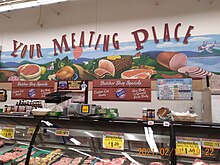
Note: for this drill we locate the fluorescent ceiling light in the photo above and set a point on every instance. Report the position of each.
(22, 5)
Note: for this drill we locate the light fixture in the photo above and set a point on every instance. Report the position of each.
(130, 158)
(76, 142)
(22, 5)
(90, 134)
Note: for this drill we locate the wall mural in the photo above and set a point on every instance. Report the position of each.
(196, 59)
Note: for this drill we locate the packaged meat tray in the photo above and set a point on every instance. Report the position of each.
(10, 154)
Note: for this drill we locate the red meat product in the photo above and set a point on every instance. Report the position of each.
(77, 160)
(199, 162)
(2, 143)
(110, 163)
(63, 161)
(99, 163)
(156, 163)
(87, 161)
(118, 160)
(172, 60)
(73, 163)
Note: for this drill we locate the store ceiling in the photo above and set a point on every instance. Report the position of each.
(6, 2)
(8, 5)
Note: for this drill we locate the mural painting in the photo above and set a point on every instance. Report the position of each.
(198, 58)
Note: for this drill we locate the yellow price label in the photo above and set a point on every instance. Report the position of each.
(211, 143)
(113, 141)
(62, 132)
(30, 130)
(85, 109)
(188, 148)
(8, 132)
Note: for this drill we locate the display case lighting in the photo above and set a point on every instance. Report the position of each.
(76, 142)
(22, 5)
(3, 137)
(90, 134)
(130, 158)
(47, 123)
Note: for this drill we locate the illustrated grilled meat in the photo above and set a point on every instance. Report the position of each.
(107, 66)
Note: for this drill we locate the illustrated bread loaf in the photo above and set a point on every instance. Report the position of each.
(172, 60)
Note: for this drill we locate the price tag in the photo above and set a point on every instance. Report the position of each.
(62, 132)
(8, 132)
(30, 130)
(166, 123)
(211, 143)
(190, 147)
(114, 141)
(150, 122)
(85, 109)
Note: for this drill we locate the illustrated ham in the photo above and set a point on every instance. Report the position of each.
(101, 73)
(138, 74)
(194, 71)
(29, 72)
(111, 67)
(190, 69)
(172, 60)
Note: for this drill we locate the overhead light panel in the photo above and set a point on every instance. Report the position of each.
(22, 5)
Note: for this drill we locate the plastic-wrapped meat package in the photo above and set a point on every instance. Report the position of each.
(63, 161)
(199, 162)
(2, 143)
(76, 161)
(156, 163)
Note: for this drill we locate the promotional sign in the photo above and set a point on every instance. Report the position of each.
(122, 90)
(31, 89)
(30, 130)
(190, 147)
(166, 56)
(3, 95)
(211, 143)
(72, 85)
(8, 132)
(113, 140)
(175, 89)
(62, 132)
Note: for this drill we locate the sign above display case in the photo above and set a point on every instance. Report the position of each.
(31, 89)
(122, 90)
(175, 89)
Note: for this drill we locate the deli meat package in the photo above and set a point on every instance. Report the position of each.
(199, 162)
